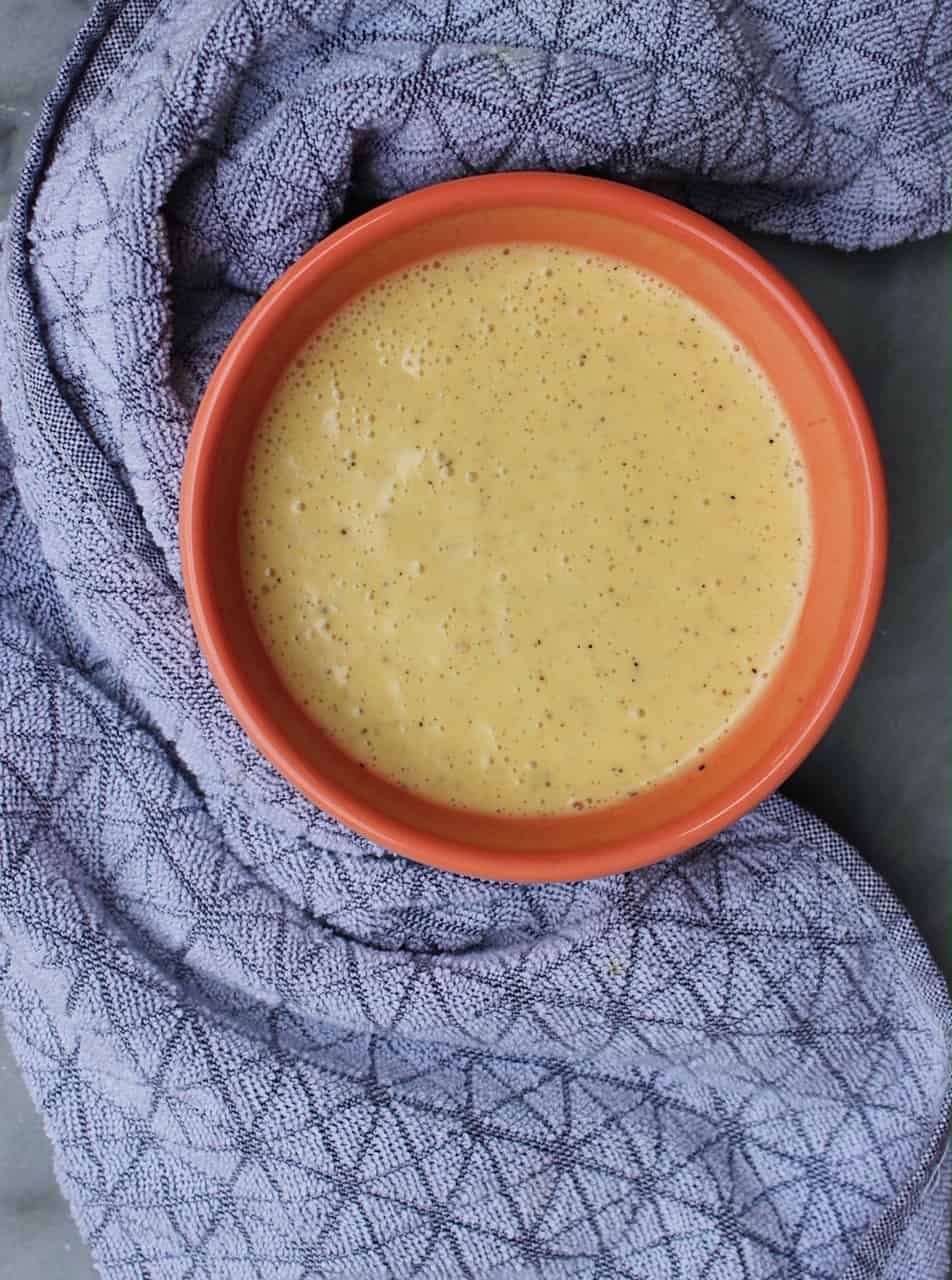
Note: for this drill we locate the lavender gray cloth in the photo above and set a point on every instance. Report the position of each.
(263, 1047)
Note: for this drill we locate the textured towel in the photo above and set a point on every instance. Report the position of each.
(263, 1047)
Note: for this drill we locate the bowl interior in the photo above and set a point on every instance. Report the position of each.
(842, 474)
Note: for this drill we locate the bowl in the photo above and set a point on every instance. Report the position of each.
(843, 472)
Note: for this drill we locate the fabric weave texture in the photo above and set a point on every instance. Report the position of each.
(263, 1047)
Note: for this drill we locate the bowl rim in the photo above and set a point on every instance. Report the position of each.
(598, 196)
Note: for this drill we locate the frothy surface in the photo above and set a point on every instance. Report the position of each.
(525, 529)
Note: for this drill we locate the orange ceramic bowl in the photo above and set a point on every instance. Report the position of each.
(845, 485)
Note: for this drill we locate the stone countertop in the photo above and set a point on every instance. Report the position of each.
(882, 774)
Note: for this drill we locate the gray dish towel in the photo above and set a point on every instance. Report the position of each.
(263, 1047)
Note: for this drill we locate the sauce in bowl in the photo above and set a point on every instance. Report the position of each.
(524, 528)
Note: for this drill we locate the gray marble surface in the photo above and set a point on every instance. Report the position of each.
(882, 774)
(38, 1239)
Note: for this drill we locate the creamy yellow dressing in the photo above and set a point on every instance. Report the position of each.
(525, 529)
